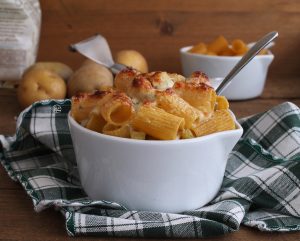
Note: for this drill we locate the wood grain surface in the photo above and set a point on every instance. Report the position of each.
(157, 28)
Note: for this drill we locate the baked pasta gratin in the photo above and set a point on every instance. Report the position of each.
(155, 106)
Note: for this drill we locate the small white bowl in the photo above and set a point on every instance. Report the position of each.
(164, 176)
(247, 84)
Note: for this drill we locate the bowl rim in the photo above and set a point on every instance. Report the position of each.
(184, 50)
(237, 131)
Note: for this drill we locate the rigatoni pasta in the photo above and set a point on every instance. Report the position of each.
(95, 122)
(220, 46)
(199, 95)
(220, 121)
(217, 46)
(172, 103)
(82, 104)
(222, 103)
(117, 108)
(139, 135)
(154, 106)
(113, 130)
(157, 123)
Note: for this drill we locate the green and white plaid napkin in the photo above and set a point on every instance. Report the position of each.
(261, 186)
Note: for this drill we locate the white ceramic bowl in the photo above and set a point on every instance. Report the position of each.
(164, 176)
(247, 84)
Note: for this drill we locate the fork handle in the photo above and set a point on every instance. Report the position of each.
(116, 68)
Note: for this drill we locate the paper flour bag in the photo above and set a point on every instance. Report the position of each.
(20, 22)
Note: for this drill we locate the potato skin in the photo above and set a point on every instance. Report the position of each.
(132, 58)
(88, 78)
(89, 62)
(61, 69)
(40, 84)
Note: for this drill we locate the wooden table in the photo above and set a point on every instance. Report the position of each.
(166, 25)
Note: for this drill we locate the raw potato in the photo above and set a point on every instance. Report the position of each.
(132, 58)
(63, 70)
(88, 78)
(89, 62)
(40, 84)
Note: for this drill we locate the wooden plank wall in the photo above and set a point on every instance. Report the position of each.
(158, 28)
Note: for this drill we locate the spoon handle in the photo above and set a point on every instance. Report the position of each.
(253, 51)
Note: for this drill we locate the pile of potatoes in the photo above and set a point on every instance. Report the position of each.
(55, 80)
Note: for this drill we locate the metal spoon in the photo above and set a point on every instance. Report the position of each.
(253, 51)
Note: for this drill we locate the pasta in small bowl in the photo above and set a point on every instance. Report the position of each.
(217, 59)
(152, 140)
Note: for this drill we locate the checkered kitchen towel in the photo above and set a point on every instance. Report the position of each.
(261, 186)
